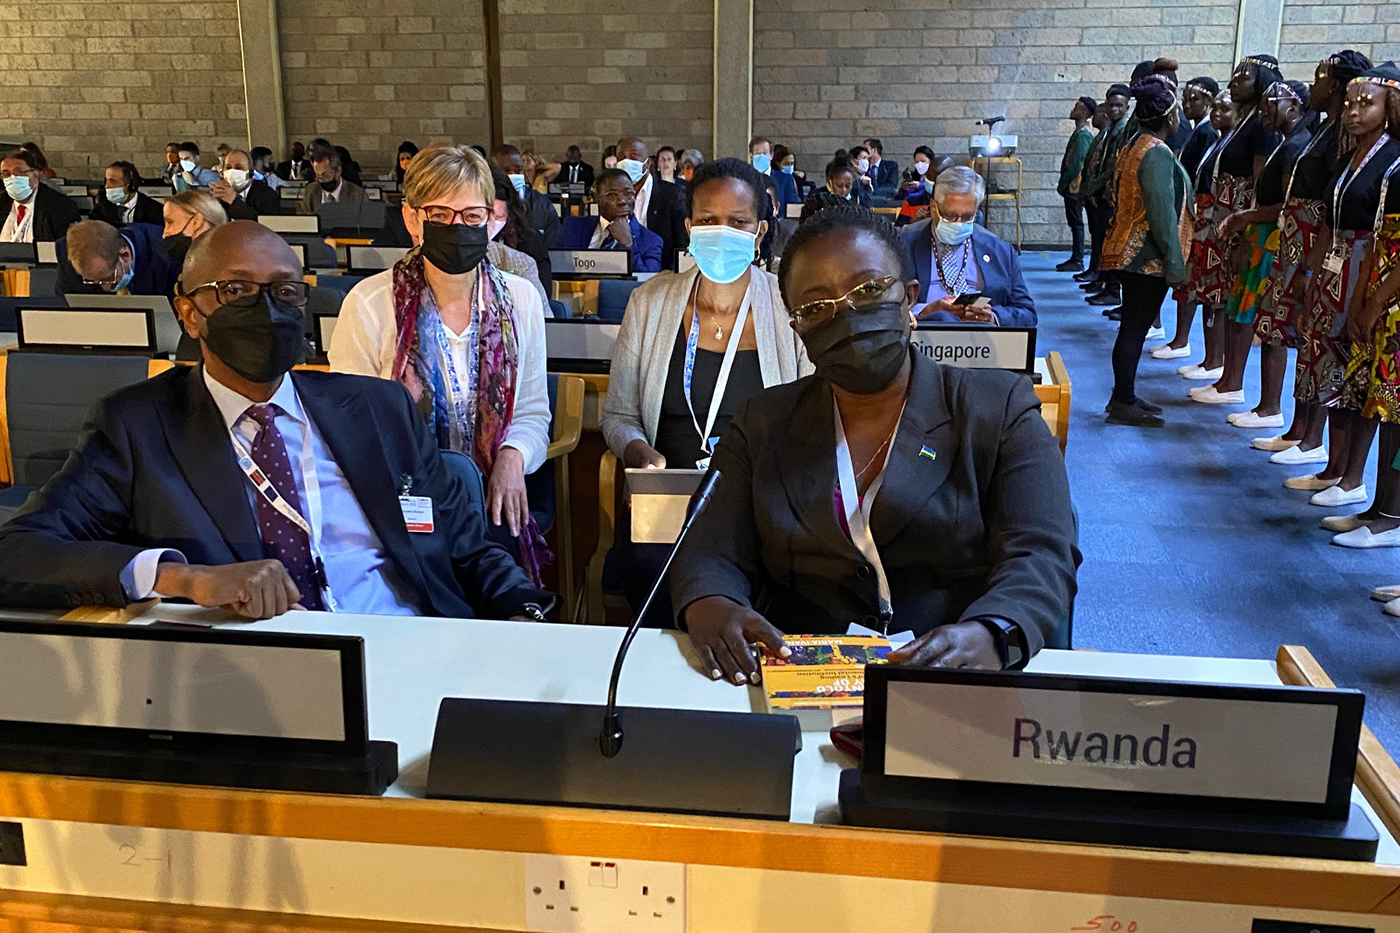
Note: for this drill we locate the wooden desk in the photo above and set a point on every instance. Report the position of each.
(111, 855)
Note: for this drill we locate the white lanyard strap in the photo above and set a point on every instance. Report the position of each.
(1225, 144)
(858, 512)
(1343, 185)
(1317, 137)
(23, 225)
(722, 380)
(1385, 192)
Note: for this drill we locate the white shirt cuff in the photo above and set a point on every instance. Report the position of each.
(138, 578)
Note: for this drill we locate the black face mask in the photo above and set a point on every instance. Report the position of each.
(454, 248)
(257, 337)
(329, 186)
(861, 350)
(177, 245)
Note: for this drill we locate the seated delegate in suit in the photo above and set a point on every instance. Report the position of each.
(465, 338)
(188, 172)
(243, 196)
(330, 186)
(32, 210)
(96, 258)
(883, 173)
(666, 404)
(296, 168)
(661, 205)
(120, 203)
(954, 256)
(154, 501)
(543, 217)
(887, 489)
(761, 158)
(188, 216)
(616, 227)
(573, 170)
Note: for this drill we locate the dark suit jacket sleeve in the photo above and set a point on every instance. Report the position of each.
(1018, 309)
(59, 549)
(59, 213)
(680, 211)
(240, 209)
(490, 578)
(720, 556)
(1031, 537)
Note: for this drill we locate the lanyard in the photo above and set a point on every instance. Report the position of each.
(463, 397)
(312, 528)
(1215, 169)
(1385, 191)
(22, 226)
(722, 381)
(1343, 185)
(1317, 137)
(858, 512)
(1254, 195)
(966, 247)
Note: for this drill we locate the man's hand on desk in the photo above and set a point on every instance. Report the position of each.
(257, 589)
(722, 631)
(640, 455)
(963, 644)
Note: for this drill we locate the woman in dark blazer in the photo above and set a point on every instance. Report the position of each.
(952, 487)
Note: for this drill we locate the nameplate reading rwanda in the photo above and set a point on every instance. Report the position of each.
(590, 261)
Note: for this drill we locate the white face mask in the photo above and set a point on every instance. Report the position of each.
(236, 177)
(921, 168)
(187, 166)
(494, 227)
(863, 165)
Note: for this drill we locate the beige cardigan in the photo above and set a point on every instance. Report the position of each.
(642, 355)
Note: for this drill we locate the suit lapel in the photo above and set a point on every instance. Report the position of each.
(200, 443)
(990, 265)
(911, 475)
(809, 473)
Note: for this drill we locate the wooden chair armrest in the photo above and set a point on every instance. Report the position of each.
(608, 468)
(568, 417)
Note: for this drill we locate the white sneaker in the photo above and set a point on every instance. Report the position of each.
(1292, 456)
(1156, 333)
(1385, 594)
(1310, 482)
(1278, 442)
(1392, 608)
(1363, 537)
(1168, 352)
(1336, 495)
(1210, 395)
(1248, 419)
(1196, 372)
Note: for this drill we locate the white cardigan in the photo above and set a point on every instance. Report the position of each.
(642, 355)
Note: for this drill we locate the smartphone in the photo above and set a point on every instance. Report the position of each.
(971, 298)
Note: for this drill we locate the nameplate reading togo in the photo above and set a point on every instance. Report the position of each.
(587, 262)
(978, 347)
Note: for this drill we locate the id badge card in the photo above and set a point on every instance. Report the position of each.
(1333, 262)
(417, 514)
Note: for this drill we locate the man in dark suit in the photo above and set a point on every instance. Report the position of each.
(543, 217)
(30, 210)
(761, 158)
(243, 196)
(615, 227)
(297, 167)
(575, 171)
(884, 173)
(120, 203)
(661, 205)
(194, 484)
(96, 258)
(954, 256)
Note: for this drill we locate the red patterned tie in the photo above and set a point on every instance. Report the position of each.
(282, 538)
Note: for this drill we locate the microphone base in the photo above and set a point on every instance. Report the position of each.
(673, 761)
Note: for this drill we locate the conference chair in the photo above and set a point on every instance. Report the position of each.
(43, 282)
(9, 310)
(46, 399)
(603, 578)
(341, 283)
(319, 253)
(561, 311)
(470, 474)
(548, 487)
(613, 295)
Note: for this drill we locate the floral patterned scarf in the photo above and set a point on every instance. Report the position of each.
(416, 366)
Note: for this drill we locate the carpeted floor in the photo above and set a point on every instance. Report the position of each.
(1191, 544)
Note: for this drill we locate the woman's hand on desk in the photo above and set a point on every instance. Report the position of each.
(257, 589)
(639, 455)
(722, 632)
(505, 493)
(963, 644)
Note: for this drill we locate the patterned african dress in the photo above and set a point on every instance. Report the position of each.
(1383, 396)
(1253, 283)
(1297, 233)
(1322, 367)
(1217, 273)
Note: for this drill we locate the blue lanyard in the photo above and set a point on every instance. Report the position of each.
(463, 397)
(722, 381)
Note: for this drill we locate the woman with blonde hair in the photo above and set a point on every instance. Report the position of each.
(188, 216)
(464, 337)
(538, 172)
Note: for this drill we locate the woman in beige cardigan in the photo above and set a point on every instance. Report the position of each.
(720, 324)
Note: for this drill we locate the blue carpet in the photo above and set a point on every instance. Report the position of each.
(1191, 544)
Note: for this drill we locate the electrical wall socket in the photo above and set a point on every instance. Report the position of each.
(579, 894)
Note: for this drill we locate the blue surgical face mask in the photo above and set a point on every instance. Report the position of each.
(116, 195)
(187, 166)
(788, 169)
(762, 161)
(19, 187)
(953, 234)
(635, 170)
(721, 252)
(519, 182)
(124, 281)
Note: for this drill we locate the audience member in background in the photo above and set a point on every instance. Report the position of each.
(331, 185)
(786, 162)
(840, 180)
(538, 172)
(690, 160)
(851, 516)
(515, 247)
(221, 150)
(610, 157)
(188, 216)
(349, 168)
(192, 174)
(666, 403)
(770, 248)
(1147, 244)
(41, 161)
(407, 150)
(1301, 223)
(172, 162)
(243, 196)
(1089, 277)
(121, 203)
(465, 338)
(297, 168)
(573, 170)
(616, 226)
(153, 499)
(916, 188)
(661, 206)
(954, 257)
(1097, 186)
(1242, 156)
(1285, 111)
(666, 164)
(883, 173)
(761, 158)
(858, 157)
(543, 217)
(33, 211)
(262, 167)
(96, 258)
(1071, 164)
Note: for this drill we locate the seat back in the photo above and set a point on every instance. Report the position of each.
(319, 253)
(47, 398)
(341, 283)
(561, 311)
(539, 485)
(43, 282)
(613, 295)
(469, 473)
(9, 308)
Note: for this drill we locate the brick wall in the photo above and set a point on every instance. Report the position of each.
(91, 82)
(1313, 29)
(586, 72)
(922, 71)
(368, 75)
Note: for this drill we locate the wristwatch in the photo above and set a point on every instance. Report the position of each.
(531, 610)
(1010, 642)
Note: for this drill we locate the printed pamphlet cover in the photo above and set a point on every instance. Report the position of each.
(823, 671)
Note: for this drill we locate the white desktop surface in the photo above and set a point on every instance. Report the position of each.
(413, 663)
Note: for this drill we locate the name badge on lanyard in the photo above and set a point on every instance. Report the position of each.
(417, 514)
(707, 440)
(858, 514)
(1333, 262)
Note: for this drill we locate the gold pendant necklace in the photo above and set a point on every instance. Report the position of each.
(719, 331)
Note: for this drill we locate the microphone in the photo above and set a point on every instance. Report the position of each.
(610, 739)
(990, 121)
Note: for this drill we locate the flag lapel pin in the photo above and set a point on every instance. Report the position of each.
(928, 452)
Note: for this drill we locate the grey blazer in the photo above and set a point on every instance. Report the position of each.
(311, 197)
(642, 355)
(982, 528)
